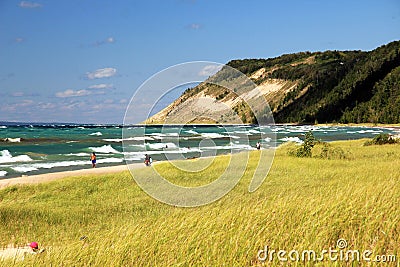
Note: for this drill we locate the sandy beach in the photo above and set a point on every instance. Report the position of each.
(35, 179)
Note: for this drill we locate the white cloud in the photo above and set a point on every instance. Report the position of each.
(108, 101)
(101, 86)
(17, 94)
(72, 93)
(27, 4)
(210, 70)
(25, 103)
(20, 94)
(194, 26)
(19, 40)
(101, 73)
(46, 105)
(108, 40)
(18, 107)
(74, 106)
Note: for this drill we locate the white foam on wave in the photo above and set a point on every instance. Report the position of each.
(96, 134)
(141, 145)
(231, 146)
(240, 146)
(291, 139)
(243, 132)
(160, 136)
(370, 131)
(82, 154)
(12, 140)
(230, 134)
(191, 132)
(140, 154)
(48, 165)
(213, 135)
(107, 149)
(297, 130)
(24, 168)
(139, 138)
(254, 131)
(161, 145)
(3, 127)
(135, 158)
(278, 129)
(3, 173)
(117, 140)
(325, 129)
(189, 150)
(6, 157)
(110, 160)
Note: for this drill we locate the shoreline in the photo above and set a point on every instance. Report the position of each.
(47, 177)
(52, 176)
(44, 177)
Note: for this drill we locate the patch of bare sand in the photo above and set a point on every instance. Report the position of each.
(17, 253)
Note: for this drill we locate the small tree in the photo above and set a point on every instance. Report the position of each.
(305, 150)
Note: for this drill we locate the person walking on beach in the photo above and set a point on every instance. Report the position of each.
(147, 160)
(93, 159)
(258, 145)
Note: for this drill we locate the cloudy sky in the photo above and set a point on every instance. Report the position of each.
(81, 61)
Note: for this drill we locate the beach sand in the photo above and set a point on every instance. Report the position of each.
(40, 178)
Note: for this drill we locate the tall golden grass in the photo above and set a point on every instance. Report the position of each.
(304, 204)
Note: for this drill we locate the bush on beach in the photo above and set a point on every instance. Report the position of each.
(317, 149)
(304, 151)
(382, 139)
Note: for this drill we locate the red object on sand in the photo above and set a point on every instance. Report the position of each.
(34, 245)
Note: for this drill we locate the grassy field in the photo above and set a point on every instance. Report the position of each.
(304, 204)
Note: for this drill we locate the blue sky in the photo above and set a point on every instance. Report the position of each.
(81, 61)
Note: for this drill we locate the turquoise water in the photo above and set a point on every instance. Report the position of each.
(35, 149)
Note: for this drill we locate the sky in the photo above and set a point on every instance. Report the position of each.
(82, 61)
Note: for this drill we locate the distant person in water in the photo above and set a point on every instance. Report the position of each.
(93, 159)
(258, 145)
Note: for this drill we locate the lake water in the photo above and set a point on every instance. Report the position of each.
(34, 149)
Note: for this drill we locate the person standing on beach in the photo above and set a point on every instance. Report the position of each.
(258, 145)
(147, 160)
(93, 159)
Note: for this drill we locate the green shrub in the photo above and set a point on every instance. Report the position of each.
(317, 148)
(382, 139)
(330, 152)
(304, 151)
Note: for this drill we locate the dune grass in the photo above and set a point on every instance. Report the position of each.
(304, 204)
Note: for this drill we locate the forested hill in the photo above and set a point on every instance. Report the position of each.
(331, 86)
